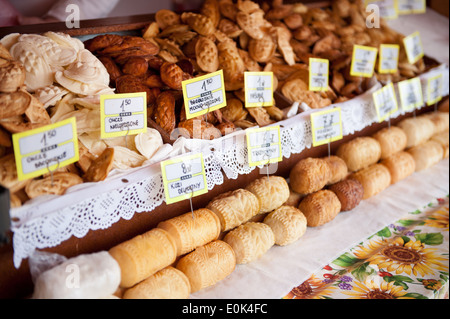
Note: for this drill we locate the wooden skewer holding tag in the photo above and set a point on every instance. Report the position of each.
(267, 166)
(191, 190)
(386, 99)
(389, 120)
(436, 90)
(128, 132)
(51, 171)
(330, 136)
(206, 115)
(329, 144)
(261, 99)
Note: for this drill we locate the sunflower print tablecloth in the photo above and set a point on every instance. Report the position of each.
(405, 260)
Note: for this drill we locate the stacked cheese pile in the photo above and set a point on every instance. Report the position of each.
(49, 78)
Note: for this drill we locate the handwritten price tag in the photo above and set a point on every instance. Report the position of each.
(411, 6)
(363, 61)
(258, 89)
(204, 94)
(388, 62)
(123, 114)
(326, 126)
(434, 89)
(413, 47)
(318, 74)
(184, 178)
(411, 95)
(45, 149)
(385, 102)
(264, 146)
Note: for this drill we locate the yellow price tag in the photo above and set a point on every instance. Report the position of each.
(264, 145)
(318, 74)
(204, 94)
(385, 102)
(434, 89)
(363, 61)
(412, 6)
(326, 126)
(411, 94)
(46, 149)
(184, 178)
(123, 114)
(413, 47)
(258, 89)
(388, 61)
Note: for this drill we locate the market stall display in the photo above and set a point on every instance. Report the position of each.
(54, 77)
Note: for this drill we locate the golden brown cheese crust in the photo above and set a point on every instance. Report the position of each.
(310, 175)
(144, 255)
(374, 179)
(169, 283)
(288, 224)
(192, 230)
(426, 154)
(392, 140)
(350, 193)
(320, 207)
(417, 129)
(235, 208)
(250, 241)
(208, 264)
(338, 167)
(272, 192)
(360, 153)
(400, 166)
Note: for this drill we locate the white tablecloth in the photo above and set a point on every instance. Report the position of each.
(282, 268)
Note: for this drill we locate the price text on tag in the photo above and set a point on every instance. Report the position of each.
(385, 102)
(413, 47)
(434, 89)
(326, 126)
(411, 94)
(184, 178)
(318, 74)
(258, 89)
(264, 146)
(45, 149)
(204, 94)
(388, 62)
(123, 114)
(412, 6)
(388, 8)
(363, 61)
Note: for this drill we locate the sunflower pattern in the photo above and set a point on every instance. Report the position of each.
(405, 260)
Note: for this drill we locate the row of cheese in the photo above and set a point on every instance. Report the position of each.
(196, 250)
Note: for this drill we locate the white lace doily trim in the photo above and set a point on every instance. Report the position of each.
(51, 220)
